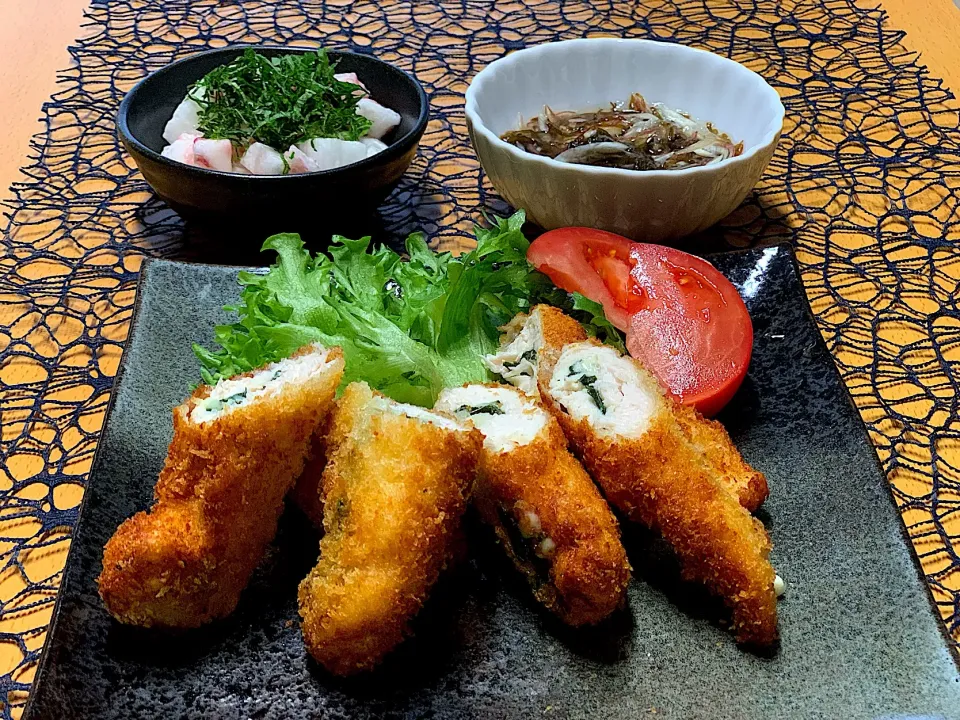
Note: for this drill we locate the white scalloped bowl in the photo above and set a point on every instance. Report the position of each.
(653, 205)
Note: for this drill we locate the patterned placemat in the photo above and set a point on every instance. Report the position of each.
(863, 183)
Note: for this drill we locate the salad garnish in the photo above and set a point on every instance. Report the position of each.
(409, 326)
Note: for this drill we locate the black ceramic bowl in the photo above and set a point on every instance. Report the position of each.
(273, 203)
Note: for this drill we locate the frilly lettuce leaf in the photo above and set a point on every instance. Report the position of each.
(408, 326)
(590, 314)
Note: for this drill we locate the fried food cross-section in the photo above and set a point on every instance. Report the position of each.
(237, 449)
(546, 511)
(397, 481)
(529, 350)
(625, 428)
(530, 346)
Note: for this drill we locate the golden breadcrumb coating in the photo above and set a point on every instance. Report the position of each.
(666, 482)
(556, 330)
(394, 492)
(307, 492)
(711, 439)
(216, 505)
(708, 436)
(538, 493)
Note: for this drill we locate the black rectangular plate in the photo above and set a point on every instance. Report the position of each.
(859, 635)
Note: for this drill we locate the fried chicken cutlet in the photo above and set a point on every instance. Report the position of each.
(306, 493)
(237, 449)
(547, 513)
(530, 347)
(628, 432)
(396, 484)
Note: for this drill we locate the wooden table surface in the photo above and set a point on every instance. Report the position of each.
(34, 35)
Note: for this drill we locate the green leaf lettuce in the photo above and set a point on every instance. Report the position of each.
(408, 326)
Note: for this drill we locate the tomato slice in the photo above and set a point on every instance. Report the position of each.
(615, 274)
(591, 262)
(694, 332)
(684, 320)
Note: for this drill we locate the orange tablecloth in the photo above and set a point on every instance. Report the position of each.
(33, 38)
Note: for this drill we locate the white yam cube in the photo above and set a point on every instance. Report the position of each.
(181, 149)
(261, 159)
(299, 162)
(213, 154)
(373, 145)
(382, 119)
(329, 153)
(184, 120)
(352, 78)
